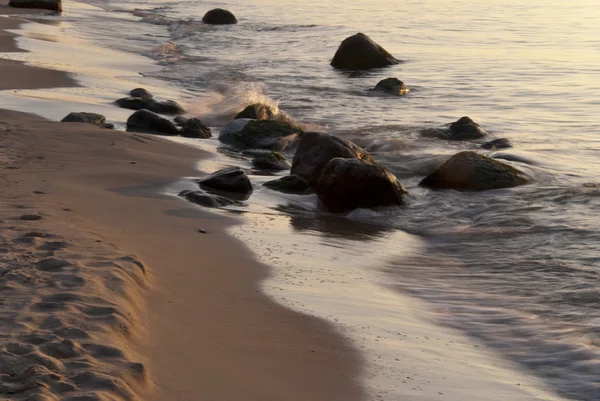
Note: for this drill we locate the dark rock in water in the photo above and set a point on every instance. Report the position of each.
(232, 179)
(31, 217)
(245, 133)
(180, 120)
(347, 184)
(315, 150)
(501, 143)
(194, 128)
(138, 103)
(54, 5)
(271, 161)
(465, 128)
(149, 122)
(141, 92)
(205, 199)
(359, 52)
(470, 171)
(87, 118)
(291, 184)
(218, 16)
(392, 86)
(258, 111)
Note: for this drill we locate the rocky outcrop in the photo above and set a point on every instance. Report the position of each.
(359, 52)
(501, 143)
(205, 199)
(54, 5)
(87, 118)
(141, 92)
(194, 128)
(168, 107)
(258, 111)
(149, 122)
(315, 150)
(347, 184)
(218, 16)
(290, 184)
(270, 161)
(392, 86)
(470, 171)
(232, 179)
(246, 133)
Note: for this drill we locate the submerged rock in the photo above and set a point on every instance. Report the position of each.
(470, 171)
(232, 179)
(180, 120)
(347, 184)
(392, 86)
(291, 184)
(149, 122)
(218, 16)
(501, 143)
(246, 133)
(194, 128)
(271, 161)
(359, 52)
(258, 111)
(315, 150)
(206, 199)
(87, 118)
(141, 92)
(465, 128)
(54, 5)
(138, 103)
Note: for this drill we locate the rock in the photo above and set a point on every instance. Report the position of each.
(232, 179)
(315, 150)
(271, 161)
(470, 171)
(138, 103)
(180, 120)
(149, 122)
(258, 111)
(218, 16)
(291, 184)
(87, 118)
(246, 133)
(194, 128)
(501, 143)
(392, 86)
(141, 92)
(347, 184)
(54, 5)
(359, 52)
(465, 128)
(205, 199)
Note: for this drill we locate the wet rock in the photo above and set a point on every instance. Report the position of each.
(54, 5)
(31, 217)
(194, 128)
(87, 118)
(392, 86)
(359, 52)
(315, 150)
(501, 143)
(149, 122)
(206, 199)
(465, 128)
(218, 16)
(470, 171)
(291, 184)
(180, 120)
(232, 179)
(347, 184)
(141, 92)
(258, 111)
(138, 103)
(271, 161)
(246, 133)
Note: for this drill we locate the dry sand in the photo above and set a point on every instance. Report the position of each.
(105, 280)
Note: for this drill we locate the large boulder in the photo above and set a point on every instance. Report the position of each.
(218, 16)
(54, 5)
(315, 150)
(87, 118)
(246, 133)
(258, 111)
(141, 92)
(232, 179)
(149, 122)
(392, 86)
(194, 128)
(359, 52)
(470, 171)
(290, 184)
(168, 107)
(347, 184)
(205, 199)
